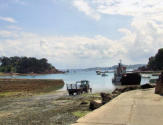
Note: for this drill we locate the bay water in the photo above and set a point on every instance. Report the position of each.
(98, 83)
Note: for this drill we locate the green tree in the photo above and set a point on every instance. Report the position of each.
(25, 65)
(156, 62)
(159, 59)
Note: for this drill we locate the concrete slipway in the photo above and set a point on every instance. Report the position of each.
(138, 107)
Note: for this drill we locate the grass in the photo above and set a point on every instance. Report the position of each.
(15, 87)
(80, 114)
(8, 94)
(4, 74)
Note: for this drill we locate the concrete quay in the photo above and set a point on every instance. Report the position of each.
(137, 107)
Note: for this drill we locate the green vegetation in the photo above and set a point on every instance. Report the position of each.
(9, 94)
(26, 65)
(80, 114)
(156, 62)
(14, 87)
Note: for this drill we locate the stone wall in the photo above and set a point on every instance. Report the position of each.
(159, 85)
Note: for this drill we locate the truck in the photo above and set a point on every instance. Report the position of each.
(79, 87)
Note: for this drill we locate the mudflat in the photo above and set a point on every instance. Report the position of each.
(54, 108)
(29, 103)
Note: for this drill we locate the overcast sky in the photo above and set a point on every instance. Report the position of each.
(82, 33)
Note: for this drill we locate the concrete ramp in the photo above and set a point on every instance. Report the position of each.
(138, 107)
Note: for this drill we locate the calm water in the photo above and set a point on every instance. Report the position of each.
(97, 82)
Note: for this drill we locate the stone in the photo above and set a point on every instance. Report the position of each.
(105, 97)
(125, 89)
(146, 86)
(116, 91)
(159, 85)
(94, 105)
(83, 103)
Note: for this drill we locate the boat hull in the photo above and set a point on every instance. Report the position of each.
(128, 79)
(131, 79)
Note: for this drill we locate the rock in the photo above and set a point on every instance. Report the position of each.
(153, 85)
(127, 89)
(121, 90)
(98, 101)
(159, 85)
(106, 98)
(114, 95)
(94, 105)
(83, 103)
(146, 86)
(116, 92)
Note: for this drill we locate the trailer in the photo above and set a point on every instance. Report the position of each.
(79, 87)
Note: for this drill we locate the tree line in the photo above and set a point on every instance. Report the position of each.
(25, 65)
(156, 62)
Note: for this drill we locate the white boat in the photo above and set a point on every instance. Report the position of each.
(145, 76)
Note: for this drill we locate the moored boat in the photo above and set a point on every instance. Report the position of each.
(120, 70)
(121, 77)
(104, 74)
(145, 76)
(98, 72)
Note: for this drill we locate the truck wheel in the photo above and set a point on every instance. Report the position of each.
(70, 93)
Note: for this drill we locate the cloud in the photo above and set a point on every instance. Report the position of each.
(145, 35)
(22, 2)
(136, 46)
(60, 50)
(6, 34)
(136, 8)
(7, 3)
(143, 40)
(83, 6)
(8, 19)
(125, 7)
(14, 27)
(138, 43)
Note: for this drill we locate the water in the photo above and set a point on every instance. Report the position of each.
(97, 82)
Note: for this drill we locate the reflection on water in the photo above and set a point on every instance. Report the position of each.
(97, 82)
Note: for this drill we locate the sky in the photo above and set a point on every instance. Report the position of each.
(82, 33)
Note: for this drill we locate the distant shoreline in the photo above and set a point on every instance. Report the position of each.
(148, 72)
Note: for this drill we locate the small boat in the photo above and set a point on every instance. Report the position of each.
(104, 74)
(98, 72)
(145, 76)
(155, 74)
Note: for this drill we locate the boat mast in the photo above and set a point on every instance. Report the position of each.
(120, 61)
